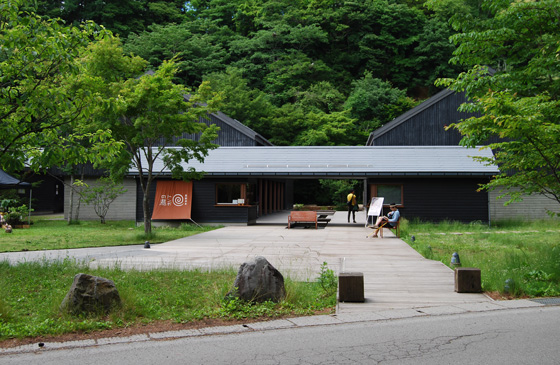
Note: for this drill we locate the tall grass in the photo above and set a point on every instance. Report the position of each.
(526, 255)
(32, 292)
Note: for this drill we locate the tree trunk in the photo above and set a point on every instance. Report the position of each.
(77, 216)
(147, 218)
(71, 207)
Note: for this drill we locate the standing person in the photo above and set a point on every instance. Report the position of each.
(351, 203)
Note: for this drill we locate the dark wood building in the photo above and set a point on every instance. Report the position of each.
(424, 125)
(426, 182)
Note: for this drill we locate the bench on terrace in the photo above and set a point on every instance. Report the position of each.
(309, 217)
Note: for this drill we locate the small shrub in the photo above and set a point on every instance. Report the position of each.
(327, 280)
(17, 215)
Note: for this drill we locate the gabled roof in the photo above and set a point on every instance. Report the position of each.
(342, 161)
(242, 128)
(409, 114)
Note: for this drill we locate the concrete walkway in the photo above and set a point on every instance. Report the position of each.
(395, 275)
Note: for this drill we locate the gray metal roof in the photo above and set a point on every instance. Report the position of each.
(342, 161)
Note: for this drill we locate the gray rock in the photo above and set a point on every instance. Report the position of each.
(258, 281)
(91, 294)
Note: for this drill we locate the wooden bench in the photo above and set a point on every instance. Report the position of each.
(388, 226)
(302, 217)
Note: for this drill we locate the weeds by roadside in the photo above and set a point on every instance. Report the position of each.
(516, 259)
(31, 293)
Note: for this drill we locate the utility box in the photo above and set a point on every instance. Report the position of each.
(351, 287)
(467, 280)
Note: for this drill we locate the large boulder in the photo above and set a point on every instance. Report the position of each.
(91, 294)
(258, 281)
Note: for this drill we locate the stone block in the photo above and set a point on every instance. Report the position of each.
(467, 280)
(351, 287)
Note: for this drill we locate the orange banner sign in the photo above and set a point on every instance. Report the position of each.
(173, 200)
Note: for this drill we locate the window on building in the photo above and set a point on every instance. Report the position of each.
(235, 193)
(393, 193)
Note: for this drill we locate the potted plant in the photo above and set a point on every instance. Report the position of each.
(16, 216)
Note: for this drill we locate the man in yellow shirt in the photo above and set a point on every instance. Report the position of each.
(351, 203)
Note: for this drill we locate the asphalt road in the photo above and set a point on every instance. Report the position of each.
(511, 336)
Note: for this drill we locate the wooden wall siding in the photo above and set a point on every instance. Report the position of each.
(48, 196)
(442, 198)
(427, 128)
(227, 136)
(204, 200)
(271, 194)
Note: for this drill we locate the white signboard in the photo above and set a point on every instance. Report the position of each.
(375, 207)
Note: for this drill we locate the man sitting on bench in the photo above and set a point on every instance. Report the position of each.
(390, 219)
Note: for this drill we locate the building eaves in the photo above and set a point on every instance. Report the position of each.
(342, 161)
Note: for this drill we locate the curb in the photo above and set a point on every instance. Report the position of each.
(288, 323)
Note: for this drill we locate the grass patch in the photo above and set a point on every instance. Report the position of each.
(58, 234)
(525, 253)
(31, 293)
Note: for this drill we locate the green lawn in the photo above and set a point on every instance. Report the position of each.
(526, 253)
(45, 234)
(31, 292)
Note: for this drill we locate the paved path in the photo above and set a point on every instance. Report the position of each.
(395, 275)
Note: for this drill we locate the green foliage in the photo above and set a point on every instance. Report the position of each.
(17, 215)
(196, 54)
(43, 100)
(327, 280)
(57, 234)
(337, 190)
(6, 204)
(119, 16)
(31, 294)
(250, 106)
(519, 99)
(295, 61)
(148, 114)
(102, 195)
(374, 103)
(526, 254)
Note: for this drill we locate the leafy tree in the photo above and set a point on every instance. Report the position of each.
(119, 16)
(337, 190)
(45, 103)
(326, 129)
(250, 106)
(102, 195)
(322, 96)
(520, 100)
(196, 54)
(148, 115)
(374, 102)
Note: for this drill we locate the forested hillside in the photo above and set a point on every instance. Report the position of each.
(300, 72)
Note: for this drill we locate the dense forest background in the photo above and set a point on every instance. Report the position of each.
(299, 72)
